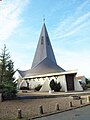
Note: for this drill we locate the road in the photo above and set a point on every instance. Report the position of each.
(77, 114)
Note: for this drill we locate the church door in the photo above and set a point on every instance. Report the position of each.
(70, 82)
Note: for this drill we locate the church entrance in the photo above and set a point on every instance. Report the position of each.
(70, 82)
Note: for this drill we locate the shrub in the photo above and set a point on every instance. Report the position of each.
(38, 87)
(1, 88)
(55, 86)
(8, 90)
(52, 85)
(84, 86)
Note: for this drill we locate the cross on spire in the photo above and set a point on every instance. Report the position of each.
(44, 19)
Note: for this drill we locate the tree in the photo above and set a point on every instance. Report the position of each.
(55, 86)
(6, 67)
(52, 84)
(4, 57)
(7, 86)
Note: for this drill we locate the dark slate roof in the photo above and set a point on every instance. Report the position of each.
(23, 73)
(45, 67)
(44, 48)
(44, 60)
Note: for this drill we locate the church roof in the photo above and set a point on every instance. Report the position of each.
(44, 60)
(44, 48)
(45, 67)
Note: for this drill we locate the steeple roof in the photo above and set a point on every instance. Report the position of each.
(44, 48)
(44, 61)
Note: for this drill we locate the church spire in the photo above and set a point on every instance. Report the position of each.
(44, 49)
(44, 61)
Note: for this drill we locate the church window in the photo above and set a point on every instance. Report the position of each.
(47, 40)
(42, 40)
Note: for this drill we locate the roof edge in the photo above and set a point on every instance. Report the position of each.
(53, 74)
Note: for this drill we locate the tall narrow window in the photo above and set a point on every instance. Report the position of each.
(42, 40)
(47, 40)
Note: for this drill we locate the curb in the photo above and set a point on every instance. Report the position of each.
(48, 114)
(49, 96)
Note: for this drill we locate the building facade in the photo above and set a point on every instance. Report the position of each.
(44, 68)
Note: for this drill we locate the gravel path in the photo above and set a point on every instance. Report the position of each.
(30, 107)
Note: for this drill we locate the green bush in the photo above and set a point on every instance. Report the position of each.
(55, 86)
(1, 88)
(52, 85)
(87, 81)
(38, 87)
(8, 90)
(84, 86)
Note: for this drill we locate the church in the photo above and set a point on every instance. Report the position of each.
(45, 68)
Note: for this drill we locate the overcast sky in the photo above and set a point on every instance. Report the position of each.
(68, 25)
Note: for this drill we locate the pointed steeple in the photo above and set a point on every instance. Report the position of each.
(44, 49)
(44, 60)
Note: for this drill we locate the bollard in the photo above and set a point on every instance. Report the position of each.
(70, 104)
(41, 109)
(81, 102)
(19, 114)
(1, 97)
(88, 98)
(57, 106)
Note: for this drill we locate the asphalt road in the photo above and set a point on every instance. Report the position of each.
(77, 114)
